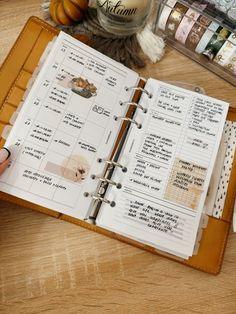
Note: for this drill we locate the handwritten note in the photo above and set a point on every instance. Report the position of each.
(169, 161)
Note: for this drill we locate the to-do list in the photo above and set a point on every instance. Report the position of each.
(169, 161)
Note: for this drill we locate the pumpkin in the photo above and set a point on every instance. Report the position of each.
(67, 12)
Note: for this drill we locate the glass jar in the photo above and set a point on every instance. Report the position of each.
(123, 17)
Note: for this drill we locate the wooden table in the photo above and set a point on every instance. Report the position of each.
(51, 266)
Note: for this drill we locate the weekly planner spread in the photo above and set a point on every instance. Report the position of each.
(71, 118)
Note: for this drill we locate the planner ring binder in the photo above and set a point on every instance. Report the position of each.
(137, 88)
(113, 164)
(106, 180)
(139, 125)
(97, 197)
(127, 103)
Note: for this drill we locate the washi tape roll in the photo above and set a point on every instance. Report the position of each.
(188, 21)
(199, 28)
(231, 66)
(216, 42)
(227, 50)
(207, 37)
(165, 13)
(175, 18)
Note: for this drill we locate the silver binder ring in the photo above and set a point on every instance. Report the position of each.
(143, 90)
(113, 164)
(97, 197)
(128, 103)
(108, 181)
(139, 125)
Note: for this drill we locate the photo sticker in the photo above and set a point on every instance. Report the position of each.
(83, 87)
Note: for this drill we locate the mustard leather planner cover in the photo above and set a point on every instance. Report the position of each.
(15, 74)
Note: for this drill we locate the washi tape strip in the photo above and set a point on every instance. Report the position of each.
(216, 42)
(188, 21)
(166, 11)
(207, 37)
(197, 32)
(175, 18)
(227, 50)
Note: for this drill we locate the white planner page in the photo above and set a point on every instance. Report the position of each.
(169, 161)
(65, 124)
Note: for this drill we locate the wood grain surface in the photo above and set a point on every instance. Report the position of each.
(51, 266)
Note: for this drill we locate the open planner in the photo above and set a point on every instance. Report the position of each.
(141, 160)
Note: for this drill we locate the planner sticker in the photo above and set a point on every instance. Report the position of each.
(185, 184)
(74, 168)
(83, 87)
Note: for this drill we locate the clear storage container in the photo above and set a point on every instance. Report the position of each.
(202, 30)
